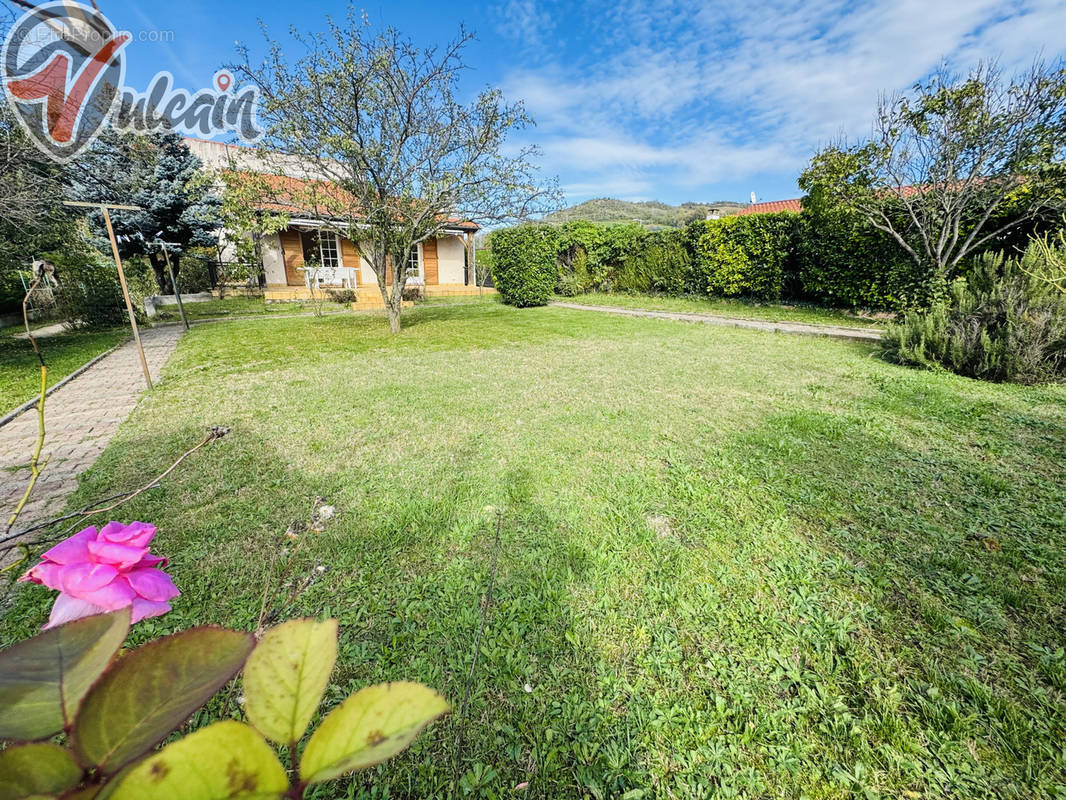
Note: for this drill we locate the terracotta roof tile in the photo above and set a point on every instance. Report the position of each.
(313, 198)
(772, 207)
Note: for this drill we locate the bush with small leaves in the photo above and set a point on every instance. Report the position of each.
(523, 264)
(89, 293)
(1001, 322)
(746, 255)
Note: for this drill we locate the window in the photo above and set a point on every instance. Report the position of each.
(414, 264)
(323, 248)
(329, 249)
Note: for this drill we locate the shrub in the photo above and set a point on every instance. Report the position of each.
(661, 263)
(591, 256)
(1000, 323)
(345, 296)
(842, 261)
(89, 292)
(576, 241)
(524, 264)
(195, 273)
(746, 255)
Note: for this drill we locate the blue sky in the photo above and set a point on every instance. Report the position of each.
(673, 100)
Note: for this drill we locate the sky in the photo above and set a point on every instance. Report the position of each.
(675, 100)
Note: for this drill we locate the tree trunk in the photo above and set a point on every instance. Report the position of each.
(159, 267)
(175, 264)
(393, 301)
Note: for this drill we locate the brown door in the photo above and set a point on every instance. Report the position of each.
(350, 257)
(292, 250)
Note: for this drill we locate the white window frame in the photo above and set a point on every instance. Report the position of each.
(418, 277)
(336, 250)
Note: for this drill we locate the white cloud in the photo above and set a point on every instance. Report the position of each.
(523, 21)
(682, 94)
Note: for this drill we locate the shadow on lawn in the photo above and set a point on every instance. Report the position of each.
(956, 543)
(847, 609)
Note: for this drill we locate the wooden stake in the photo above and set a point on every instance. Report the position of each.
(126, 294)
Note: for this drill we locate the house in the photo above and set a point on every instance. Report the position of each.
(439, 266)
(773, 207)
(444, 265)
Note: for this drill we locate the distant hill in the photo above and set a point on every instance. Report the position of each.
(650, 214)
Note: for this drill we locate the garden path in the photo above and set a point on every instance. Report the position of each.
(800, 328)
(80, 418)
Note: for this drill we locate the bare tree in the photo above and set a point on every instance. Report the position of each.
(955, 163)
(30, 185)
(393, 154)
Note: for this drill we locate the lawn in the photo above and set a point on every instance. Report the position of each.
(731, 563)
(20, 379)
(238, 307)
(740, 309)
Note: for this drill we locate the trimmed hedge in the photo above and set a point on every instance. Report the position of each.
(842, 261)
(660, 263)
(747, 255)
(523, 264)
(823, 254)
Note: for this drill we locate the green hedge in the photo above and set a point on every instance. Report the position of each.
(660, 263)
(824, 255)
(590, 255)
(523, 264)
(746, 255)
(842, 261)
(89, 291)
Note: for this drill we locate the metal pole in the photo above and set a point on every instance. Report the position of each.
(174, 283)
(126, 294)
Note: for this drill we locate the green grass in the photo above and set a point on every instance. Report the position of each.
(731, 563)
(740, 309)
(460, 299)
(238, 307)
(19, 376)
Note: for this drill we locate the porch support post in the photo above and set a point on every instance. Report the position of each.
(471, 272)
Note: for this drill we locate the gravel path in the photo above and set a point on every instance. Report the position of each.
(798, 328)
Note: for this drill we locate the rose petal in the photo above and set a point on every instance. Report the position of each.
(136, 534)
(72, 550)
(152, 584)
(147, 608)
(67, 608)
(47, 574)
(77, 579)
(115, 595)
(122, 556)
(150, 560)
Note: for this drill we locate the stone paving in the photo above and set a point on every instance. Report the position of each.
(800, 328)
(80, 419)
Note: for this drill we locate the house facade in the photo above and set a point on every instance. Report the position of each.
(313, 254)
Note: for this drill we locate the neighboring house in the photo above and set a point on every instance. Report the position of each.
(440, 266)
(772, 207)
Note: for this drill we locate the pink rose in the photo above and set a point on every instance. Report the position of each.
(97, 572)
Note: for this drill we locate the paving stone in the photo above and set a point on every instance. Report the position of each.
(81, 417)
